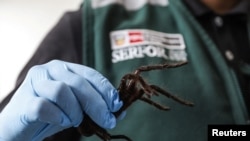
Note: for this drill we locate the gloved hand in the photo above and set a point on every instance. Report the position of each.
(53, 97)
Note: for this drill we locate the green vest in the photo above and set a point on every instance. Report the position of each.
(119, 36)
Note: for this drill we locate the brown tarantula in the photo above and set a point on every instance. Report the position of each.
(132, 88)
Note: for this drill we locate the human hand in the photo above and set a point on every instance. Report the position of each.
(55, 96)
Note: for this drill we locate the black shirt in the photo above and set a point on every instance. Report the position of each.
(230, 33)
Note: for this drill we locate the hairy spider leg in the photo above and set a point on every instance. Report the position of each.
(158, 67)
(87, 127)
(120, 137)
(105, 136)
(93, 128)
(157, 105)
(102, 133)
(167, 94)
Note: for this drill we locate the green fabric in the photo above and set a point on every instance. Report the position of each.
(206, 79)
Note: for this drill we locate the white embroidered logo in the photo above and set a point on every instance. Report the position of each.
(138, 43)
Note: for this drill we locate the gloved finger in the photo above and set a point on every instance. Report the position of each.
(56, 92)
(62, 96)
(101, 84)
(90, 99)
(97, 81)
(44, 111)
(47, 131)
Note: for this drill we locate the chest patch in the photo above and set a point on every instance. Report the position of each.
(139, 43)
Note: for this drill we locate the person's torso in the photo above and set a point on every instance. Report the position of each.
(120, 36)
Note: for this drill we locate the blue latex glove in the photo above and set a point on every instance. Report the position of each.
(53, 97)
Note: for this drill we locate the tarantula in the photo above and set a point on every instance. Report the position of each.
(133, 87)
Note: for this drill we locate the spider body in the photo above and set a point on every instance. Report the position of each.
(133, 87)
